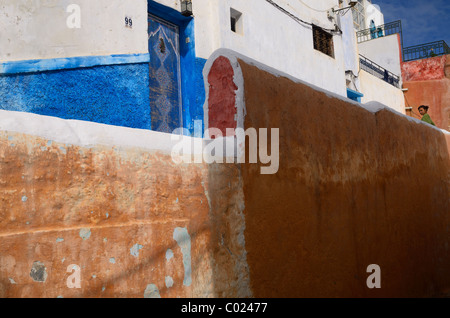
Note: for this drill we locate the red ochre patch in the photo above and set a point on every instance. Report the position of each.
(222, 96)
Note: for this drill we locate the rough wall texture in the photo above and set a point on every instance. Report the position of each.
(222, 96)
(425, 69)
(136, 224)
(428, 83)
(113, 95)
(353, 189)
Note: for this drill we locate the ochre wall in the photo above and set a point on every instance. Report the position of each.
(116, 212)
(428, 83)
(354, 188)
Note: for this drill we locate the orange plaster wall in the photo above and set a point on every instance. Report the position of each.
(353, 189)
(434, 93)
(115, 213)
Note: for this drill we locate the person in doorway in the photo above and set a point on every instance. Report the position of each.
(373, 29)
(423, 110)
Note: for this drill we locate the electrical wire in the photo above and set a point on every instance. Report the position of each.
(312, 8)
(412, 111)
(300, 21)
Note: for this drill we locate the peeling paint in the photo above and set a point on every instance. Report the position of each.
(59, 240)
(38, 272)
(183, 239)
(24, 198)
(12, 281)
(169, 254)
(135, 250)
(112, 260)
(169, 281)
(85, 233)
(151, 292)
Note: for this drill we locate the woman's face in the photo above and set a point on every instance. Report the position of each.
(422, 111)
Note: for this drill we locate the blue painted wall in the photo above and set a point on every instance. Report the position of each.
(110, 90)
(115, 95)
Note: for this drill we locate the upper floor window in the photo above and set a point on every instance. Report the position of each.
(236, 21)
(323, 41)
(359, 16)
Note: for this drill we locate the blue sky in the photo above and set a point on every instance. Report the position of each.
(423, 21)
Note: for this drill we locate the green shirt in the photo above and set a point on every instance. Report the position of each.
(426, 118)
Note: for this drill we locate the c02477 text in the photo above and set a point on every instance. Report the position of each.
(229, 307)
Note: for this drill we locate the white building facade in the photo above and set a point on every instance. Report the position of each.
(138, 63)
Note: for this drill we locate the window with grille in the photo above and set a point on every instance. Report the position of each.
(323, 41)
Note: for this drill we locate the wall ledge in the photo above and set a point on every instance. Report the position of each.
(32, 66)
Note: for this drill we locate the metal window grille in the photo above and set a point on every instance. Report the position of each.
(323, 41)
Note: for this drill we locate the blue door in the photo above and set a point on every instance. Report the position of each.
(165, 75)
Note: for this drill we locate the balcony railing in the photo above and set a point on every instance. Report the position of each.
(424, 51)
(378, 71)
(380, 31)
(411, 53)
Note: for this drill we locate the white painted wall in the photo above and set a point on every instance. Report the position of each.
(384, 51)
(174, 4)
(273, 38)
(350, 43)
(373, 12)
(375, 89)
(37, 29)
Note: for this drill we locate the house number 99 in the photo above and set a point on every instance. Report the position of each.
(128, 22)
